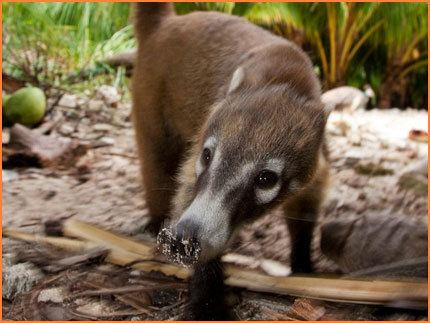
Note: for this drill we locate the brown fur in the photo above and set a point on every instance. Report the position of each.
(185, 89)
(183, 71)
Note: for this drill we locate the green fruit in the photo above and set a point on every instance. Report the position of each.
(4, 99)
(26, 106)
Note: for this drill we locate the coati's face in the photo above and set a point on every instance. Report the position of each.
(257, 149)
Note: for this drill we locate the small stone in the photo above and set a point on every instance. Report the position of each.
(18, 278)
(66, 129)
(5, 136)
(9, 175)
(351, 161)
(354, 139)
(102, 127)
(81, 101)
(108, 94)
(54, 295)
(108, 141)
(68, 101)
(372, 169)
(362, 196)
(95, 105)
(95, 308)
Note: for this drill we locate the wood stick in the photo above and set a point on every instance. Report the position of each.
(117, 255)
(405, 294)
(85, 231)
(63, 243)
(332, 289)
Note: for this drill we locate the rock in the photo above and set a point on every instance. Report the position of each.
(66, 129)
(372, 169)
(95, 308)
(31, 149)
(108, 94)
(419, 167)
(54, 295)
(95, 105)
(414, 178)
(103, 127)
(68, 101)
(338, 127)
(5, 136)
(358, 243)
(351, 161)
(346, 98)
(18, 278)
(9, 175)
(107, 141)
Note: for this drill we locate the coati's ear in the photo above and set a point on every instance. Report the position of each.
(236, 79)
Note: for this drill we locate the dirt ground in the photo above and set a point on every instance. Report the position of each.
(369, 152)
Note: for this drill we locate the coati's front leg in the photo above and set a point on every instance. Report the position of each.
(301, 214)
(160, 152)
(206, 293)
(158, 188)
(301, 222)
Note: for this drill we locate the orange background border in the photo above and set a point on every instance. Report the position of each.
(1, 152)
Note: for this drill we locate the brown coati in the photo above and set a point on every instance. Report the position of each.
(229, 125)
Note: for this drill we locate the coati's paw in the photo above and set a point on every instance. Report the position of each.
(303, 267)
(193, 314)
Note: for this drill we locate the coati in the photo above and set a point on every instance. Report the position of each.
(229, 125)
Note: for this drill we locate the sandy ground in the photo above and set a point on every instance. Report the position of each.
(109, 193)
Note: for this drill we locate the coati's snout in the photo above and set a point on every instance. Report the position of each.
(249, 158)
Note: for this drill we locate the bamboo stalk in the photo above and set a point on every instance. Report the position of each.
(392, 293)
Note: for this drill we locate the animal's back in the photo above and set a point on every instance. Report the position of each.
(189, 61)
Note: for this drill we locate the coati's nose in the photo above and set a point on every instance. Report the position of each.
(180, 244)
(186, 229)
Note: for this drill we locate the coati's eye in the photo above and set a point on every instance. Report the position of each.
(206, 156)
(266, 179)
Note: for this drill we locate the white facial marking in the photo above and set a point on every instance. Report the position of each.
(208, 213)
(264, 196)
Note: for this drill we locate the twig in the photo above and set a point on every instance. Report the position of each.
(120, 155)
(108, 315)
(123, 290)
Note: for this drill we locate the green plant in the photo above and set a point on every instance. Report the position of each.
(59, 44)
(404, 39)
(383, 44)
